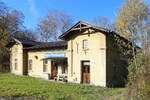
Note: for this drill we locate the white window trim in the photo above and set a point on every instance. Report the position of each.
(85, 43)
(46, 71)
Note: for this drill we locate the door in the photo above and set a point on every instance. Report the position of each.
(54, 69)
(85, 69)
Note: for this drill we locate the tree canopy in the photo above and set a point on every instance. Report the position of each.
(132, 17)
(11, 25)
(53, 24)
(133, 23)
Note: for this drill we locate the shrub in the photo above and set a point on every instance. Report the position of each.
(138, 87)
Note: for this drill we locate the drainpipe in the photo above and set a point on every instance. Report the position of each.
(71, 58)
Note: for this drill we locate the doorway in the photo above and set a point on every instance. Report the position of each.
(85, 72)
(58, 67)
(54, 69)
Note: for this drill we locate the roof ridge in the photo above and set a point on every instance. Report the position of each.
(49, 45)
(84, 22)
(53, 41)
(27, 40)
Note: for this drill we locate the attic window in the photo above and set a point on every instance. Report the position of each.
(85, 44)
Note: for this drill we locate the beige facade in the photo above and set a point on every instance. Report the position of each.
(17, 59)
(37, 58)
(95, 54)
(89, 58)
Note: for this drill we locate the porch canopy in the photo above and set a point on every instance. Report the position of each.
(56, 58)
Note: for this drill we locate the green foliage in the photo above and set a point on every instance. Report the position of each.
(4, 52)
(124, 46)
(143, 61)
(13, 85)
(138, 87)
(132, 17)
(139, 78)
(11, 24)
(132, 23)
(25, 34)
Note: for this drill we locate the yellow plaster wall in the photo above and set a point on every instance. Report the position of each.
(17, 53)
(102, 61)
(96, 53)
(37, 66)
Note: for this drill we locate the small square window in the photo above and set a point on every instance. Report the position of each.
(123, 57)
(85, 44)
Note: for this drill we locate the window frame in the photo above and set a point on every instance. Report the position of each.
(85, 44)
(45, 66)
(123, 57)
(16, 64)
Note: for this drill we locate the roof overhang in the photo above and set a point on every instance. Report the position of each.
(49, 46)
(25, 43)
(56, 58)
(12, 42)
(82, 26)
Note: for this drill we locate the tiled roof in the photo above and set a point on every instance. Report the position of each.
(28, 42)
(86, 25)
(50, 45)
(25, 43)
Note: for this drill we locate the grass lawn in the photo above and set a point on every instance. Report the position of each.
(13, 85)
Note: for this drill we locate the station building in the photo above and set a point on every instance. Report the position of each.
(86, 54)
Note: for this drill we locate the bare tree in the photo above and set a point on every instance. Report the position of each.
(131, 18)
(131, 21)
(15, 20)
(3, 23)
(26, 34)
(11, 24)
(103, 22)
(53, 24)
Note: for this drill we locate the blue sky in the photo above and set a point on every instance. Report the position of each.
(79, 9)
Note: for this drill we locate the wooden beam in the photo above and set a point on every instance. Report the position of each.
(80, 28)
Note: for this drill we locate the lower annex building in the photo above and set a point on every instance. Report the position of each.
(86, 55)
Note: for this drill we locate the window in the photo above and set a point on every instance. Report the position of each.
(85, 44)
(77, 45)
(30, 64)
(123, 57)
(86, 63)
(45, 66)
(16, 64)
